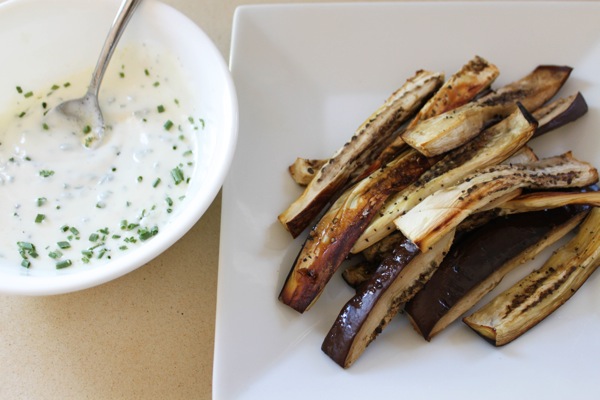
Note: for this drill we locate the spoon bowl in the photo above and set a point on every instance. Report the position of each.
(85, 112)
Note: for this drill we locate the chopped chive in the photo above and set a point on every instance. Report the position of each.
(26, 263)
(45, 126)
(27, 246)
(156, 84)
(93, 237)
(64, 228)
(87, 129)
(45, 173)
(168, 125)
(28, 94)
(19, 89)
(39, 218)
(122, 74)
(160, 108)
(156, 182)
(74, 231)
(55, 254)
(146, 72)
(169, 201)
(41, 201)
(140, 178)
(63, 245)
(67, 84)
(54, 87)
(177, 175)
(63, 264)
(22, 114)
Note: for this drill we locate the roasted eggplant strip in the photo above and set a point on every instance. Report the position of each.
(329, 242)
(449, 130)
(473, 78)
(478, 261)
(494, 145)
(366, 144)
(377, 301)
(539, 294)
(559, 113)
(543, 200)
(552, 116)
(442, 211)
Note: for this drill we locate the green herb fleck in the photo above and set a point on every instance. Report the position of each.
(63, 264)
(63, 245)
(168, 125)
(39, 218)
(177, 175)
(45, 173)
(55, 254)
(161, 108)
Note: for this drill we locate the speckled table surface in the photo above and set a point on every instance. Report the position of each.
(147, 335)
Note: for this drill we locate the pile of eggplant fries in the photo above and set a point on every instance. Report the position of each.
(439, 196)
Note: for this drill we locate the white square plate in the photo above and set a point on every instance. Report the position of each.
(307, 76)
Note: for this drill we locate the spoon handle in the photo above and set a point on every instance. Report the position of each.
(117, 28)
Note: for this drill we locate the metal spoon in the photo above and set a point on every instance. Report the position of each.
(85, 111)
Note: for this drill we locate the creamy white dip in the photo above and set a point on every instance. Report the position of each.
(63, 205)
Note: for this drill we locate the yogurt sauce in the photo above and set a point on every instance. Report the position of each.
(64, 205)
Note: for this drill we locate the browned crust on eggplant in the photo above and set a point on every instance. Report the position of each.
(329, 242)
(451, 129)
(366, 144)
(473, 78)
(494, 145)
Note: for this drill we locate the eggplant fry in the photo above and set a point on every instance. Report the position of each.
(449, 130)
(539, 294)
(366, 144)
(378, 300)
(329, 242)
(442, 211)
(559, 113)
(479, 259)
(538, 201)
(473, 78)
(494, 145)
(553, 115)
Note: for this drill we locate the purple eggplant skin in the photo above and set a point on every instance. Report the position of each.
(576, 108)
(341, 336)
(475, 256)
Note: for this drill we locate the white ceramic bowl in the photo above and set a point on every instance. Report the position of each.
(41, 40)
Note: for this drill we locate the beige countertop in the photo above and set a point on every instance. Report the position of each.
(147, 335)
